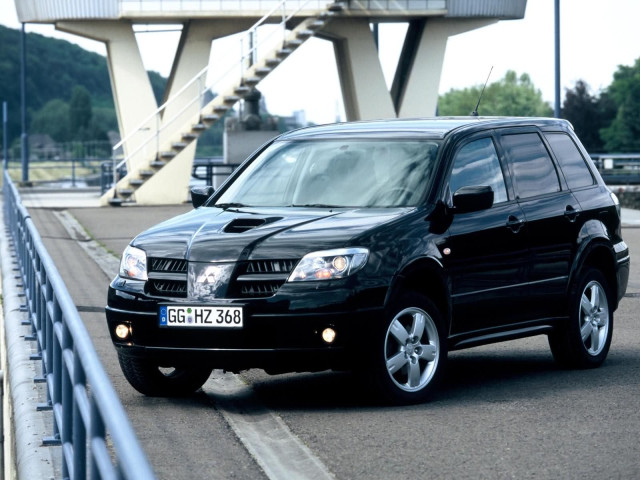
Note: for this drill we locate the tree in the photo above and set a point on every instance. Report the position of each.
(510, 96)
(80, 112)
(52, 120)
(54, 68)
(623, 135)
(588, 114)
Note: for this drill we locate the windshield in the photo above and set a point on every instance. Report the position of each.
(335, 173)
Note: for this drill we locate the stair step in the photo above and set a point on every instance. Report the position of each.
(231, 99)
(115, 202)
(210, 118)
(316, 24)
(188, 137)
(272, 62)
(125, 192)
(242, 90)
(252, 81)
(284, 52)
(293, 42)
(136, 182)
(197, 127)
(335, 7)
(179, 145)
(262, 71)
(220, 109)
(304, 34)
(146, 173)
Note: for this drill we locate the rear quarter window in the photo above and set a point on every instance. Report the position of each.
(533, 170)
(575, 168)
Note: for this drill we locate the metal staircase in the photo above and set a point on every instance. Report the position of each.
(175, 125)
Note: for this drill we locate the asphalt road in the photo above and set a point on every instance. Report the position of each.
(505, 411)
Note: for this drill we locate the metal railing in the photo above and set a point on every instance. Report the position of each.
(618, 168)
(89, 422)
(146, 140)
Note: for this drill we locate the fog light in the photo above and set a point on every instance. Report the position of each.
(122, 331)
(329, 335)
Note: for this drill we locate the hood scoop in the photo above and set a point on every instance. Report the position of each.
(241, 225)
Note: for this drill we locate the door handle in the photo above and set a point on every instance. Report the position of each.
(514, 223)
(571, 213)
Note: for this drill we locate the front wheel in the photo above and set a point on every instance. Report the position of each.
(584, 342)
(151, 379)
(411, 351)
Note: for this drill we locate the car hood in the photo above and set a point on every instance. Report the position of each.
(217, 235)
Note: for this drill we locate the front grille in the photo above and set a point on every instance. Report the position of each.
(168, 265)
(261, 278)
(168, 277)
(253, 279)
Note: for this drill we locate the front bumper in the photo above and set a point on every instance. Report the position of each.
(281, 333)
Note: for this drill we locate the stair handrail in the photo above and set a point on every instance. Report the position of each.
(208, 85)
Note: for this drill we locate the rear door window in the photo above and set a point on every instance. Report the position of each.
(575, 169)
(533, 170)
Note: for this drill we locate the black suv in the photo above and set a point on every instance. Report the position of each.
(377, 247)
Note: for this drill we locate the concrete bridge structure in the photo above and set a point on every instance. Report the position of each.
(159, 141)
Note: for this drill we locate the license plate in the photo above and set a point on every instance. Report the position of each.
(200, 316)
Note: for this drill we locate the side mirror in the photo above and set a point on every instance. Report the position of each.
(472, 199)
(199, 195)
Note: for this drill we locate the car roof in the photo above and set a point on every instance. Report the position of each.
(432, 127)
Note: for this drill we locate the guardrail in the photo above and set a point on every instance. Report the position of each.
(618, 168)
(89, 422)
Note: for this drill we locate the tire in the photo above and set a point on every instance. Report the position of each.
(585, 340)
(150, 379)
(410, 351)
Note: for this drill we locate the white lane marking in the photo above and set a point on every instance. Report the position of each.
(103, 258)
(279, 453)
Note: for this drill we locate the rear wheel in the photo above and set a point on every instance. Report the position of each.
(410, 352)
(151, 379)
(585, 340)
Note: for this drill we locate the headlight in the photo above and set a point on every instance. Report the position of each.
(329, 264)
(133, 263)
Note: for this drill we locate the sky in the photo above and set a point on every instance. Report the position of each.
(596, 37)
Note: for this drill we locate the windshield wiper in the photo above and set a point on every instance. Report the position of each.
(316, 205)
(226, 206)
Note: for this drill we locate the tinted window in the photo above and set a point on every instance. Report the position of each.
(477, 163)
(340, 173)
(533, 168)
(575, 169)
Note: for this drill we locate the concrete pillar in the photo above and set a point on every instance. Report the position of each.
(135, 102)
(417, 94)
(364, 89)
(132, 93)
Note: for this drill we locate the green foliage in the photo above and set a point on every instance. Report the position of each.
(80, 111)
(623, 135)
(68, 88)
(588, 114)
(52, 120)
(510, 96)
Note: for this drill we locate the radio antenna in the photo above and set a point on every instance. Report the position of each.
(475, 110)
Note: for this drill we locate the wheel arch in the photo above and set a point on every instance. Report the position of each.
(597, 254)
(427, 276)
